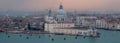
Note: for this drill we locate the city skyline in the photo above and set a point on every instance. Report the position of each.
(36, 5)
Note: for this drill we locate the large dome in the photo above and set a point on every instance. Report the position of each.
(61, 12)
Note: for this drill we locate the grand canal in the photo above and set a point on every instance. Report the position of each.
(106, 36)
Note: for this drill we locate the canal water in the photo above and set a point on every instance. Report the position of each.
(106, 36)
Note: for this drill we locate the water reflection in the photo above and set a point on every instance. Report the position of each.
(105, 37)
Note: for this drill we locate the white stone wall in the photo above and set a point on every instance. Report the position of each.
(50, 27)
(101, 24)
(73, 31)
(118, 26)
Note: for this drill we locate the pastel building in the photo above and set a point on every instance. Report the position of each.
(85, 20)
(102, 24)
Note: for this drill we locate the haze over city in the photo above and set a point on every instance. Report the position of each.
(59, 21)
(36, 5)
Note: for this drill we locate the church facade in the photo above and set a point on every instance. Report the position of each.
(61, 24)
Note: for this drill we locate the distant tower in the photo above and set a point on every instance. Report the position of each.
(50, 12)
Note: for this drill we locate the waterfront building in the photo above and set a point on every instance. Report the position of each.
(50, 26)
(74, 31)
(61, 24)
(101, 24)
(85, 20)
(118, 26)
(113, 25)
(68, 28)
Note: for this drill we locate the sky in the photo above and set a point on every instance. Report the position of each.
(34, 5)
